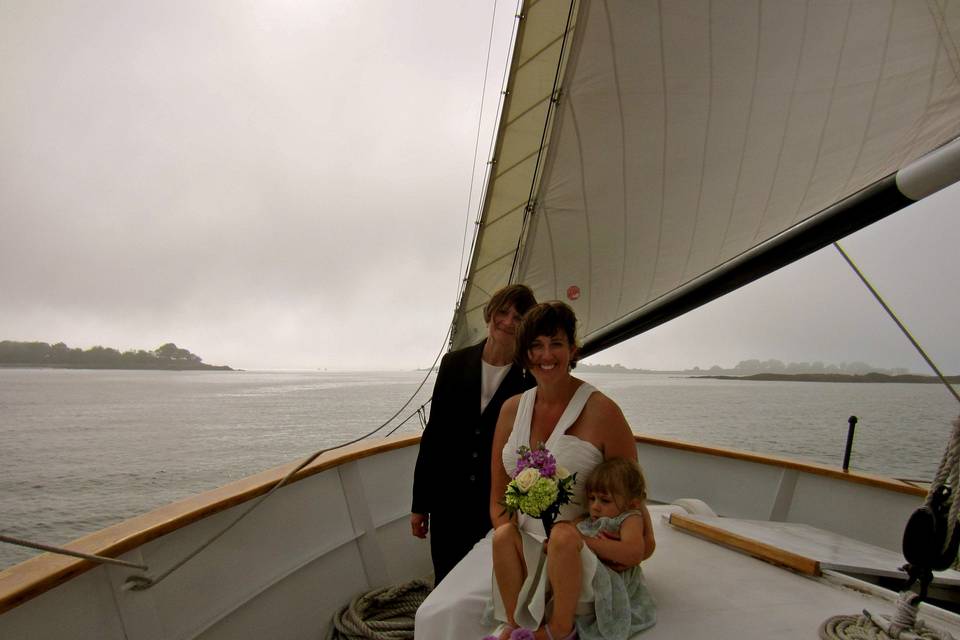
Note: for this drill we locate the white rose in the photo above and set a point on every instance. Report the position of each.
(561, 473)
(526, 479)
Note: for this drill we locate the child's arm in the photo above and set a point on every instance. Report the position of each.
(629, 551)
(649, 541)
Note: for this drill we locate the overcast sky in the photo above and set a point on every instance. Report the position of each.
(285, 185)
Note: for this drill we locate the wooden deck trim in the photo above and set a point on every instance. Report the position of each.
(41, 573)
(881, 482)
(755, 548)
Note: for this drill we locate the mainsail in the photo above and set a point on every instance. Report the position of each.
(652, 156)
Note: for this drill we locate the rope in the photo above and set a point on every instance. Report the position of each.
(904, 624)
(420, 413)
(68, 552)
(948, 474)
(382, 614)
(863, 627)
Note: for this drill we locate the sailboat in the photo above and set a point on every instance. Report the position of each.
(650, 157)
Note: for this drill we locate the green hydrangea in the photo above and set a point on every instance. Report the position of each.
(539, 498)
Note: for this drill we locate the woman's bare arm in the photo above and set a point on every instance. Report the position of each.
(602, 423)
(498, 475)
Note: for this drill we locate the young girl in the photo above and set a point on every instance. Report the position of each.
(621, 537)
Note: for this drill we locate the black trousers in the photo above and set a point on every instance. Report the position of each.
(452, 535)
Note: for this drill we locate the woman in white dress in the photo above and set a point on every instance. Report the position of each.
(581, 427)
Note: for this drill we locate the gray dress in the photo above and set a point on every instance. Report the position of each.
(622, 603)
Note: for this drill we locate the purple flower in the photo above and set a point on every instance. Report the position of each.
(539, 459)
(522, 634)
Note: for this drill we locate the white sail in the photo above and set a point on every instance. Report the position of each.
(686, 133)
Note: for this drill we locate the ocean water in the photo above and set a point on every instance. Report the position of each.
(81, 449)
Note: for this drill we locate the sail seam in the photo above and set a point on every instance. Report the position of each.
(873, 104)
(663, 152)
(786, 125)
(519, 162)
(623, 161)
(490, 263)
(746, 132)
(706, 140)
(549, 117)
(507, 214)
(943, 31)
(512, 121)
(936, 56)
(826, 120)
(536, 54)
(586, 216)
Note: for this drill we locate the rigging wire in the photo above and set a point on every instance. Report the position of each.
(476, 143)
(900, 324)
(420, 413)
(488, 167)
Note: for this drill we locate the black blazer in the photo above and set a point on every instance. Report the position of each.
(453, 467)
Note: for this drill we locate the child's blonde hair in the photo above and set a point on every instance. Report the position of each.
(620, 477)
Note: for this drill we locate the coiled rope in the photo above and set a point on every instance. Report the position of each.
(904, 624)
(381, 614)
(865, 627)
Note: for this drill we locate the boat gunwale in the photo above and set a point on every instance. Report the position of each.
(35, 576)
(814, 468)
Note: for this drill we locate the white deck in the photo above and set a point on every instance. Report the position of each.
(704, 590)
(830, 550)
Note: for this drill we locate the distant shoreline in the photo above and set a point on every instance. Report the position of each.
(719, 374)
(834, 377)
(31, 365)
(41, 355)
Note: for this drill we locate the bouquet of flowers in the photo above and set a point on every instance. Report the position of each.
(539, 486)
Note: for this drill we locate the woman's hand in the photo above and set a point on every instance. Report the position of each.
(419, 524)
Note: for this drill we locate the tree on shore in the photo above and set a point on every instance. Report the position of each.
(41, 354)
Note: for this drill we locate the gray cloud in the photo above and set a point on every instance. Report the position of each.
(286, 184)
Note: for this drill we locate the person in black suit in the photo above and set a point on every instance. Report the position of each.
(451, 482)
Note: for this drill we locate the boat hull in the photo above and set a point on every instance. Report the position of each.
(341, 528)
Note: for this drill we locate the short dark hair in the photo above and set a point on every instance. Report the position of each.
(546, 319)
(518, 295)
(620, 477)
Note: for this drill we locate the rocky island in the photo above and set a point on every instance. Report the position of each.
(777, 371)
(167, 357)
(835, 377)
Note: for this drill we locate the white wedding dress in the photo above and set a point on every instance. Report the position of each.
(456, 606)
